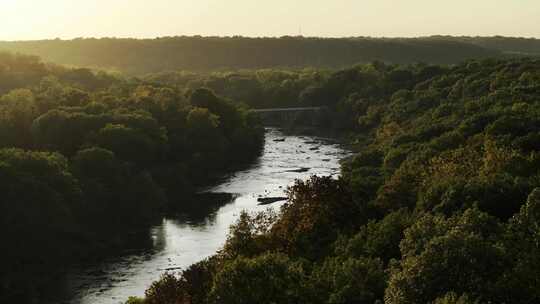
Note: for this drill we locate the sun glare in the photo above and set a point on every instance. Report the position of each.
(41, 19)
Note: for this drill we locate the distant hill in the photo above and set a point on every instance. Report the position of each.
(203, 54)
(509, 45)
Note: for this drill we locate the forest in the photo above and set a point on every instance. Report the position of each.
(440, 204)
(88, 159)
(207, 54)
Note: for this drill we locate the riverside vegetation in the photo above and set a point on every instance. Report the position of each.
(440, 204)
(88, 159)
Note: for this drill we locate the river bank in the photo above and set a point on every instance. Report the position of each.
(181, 240)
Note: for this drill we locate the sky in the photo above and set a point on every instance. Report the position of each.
(66, 19)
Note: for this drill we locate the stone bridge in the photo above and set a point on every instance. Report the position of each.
(308, 116)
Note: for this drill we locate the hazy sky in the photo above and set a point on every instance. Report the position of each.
(39, 19)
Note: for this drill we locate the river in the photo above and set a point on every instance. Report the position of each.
(180, 242)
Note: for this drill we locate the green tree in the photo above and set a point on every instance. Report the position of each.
(318, 210)
(521, 284)
(39, 199)
(269, 278)
(440, 255)
(351, 280)
(129, 144)
(17, 111)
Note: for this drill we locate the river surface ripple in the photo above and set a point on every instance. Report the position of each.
(179, 242)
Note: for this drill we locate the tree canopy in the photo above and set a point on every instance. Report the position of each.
(438, 204)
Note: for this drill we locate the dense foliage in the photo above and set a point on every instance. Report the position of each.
(88, 159)
(202, 54)
(441, 204)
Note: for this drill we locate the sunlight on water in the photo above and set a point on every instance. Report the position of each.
(179, 243)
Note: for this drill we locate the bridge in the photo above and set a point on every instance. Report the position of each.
(308, 116)
(301, 109)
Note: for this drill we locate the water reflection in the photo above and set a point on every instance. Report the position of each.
(183, 240)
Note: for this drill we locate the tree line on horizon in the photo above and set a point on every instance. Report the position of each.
(205, 54)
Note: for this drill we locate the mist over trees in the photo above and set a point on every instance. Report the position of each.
(203, 54)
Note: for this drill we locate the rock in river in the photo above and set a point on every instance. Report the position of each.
(270, 200)
(300, 170)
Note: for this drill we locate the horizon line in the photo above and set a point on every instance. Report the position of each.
(265, 37)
